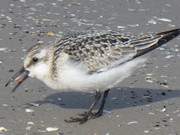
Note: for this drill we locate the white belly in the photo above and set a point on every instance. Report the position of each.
(74, 78)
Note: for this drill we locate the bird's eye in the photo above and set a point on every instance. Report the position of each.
(35, 59)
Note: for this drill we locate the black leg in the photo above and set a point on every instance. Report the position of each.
(89, 114)
(100, 111)
(85, 115)
(97, 98)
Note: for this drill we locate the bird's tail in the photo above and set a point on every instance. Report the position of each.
(147, 44)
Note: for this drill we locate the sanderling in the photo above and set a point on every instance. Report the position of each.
(85, 62)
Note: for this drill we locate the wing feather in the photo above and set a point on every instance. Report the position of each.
(102, 51)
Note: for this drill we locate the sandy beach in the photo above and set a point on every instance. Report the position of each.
(147, 103)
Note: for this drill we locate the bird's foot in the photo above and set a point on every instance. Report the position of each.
(84, 117)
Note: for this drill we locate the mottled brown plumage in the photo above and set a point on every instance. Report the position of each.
(105, 50)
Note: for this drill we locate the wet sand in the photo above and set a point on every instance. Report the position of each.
(148, 102)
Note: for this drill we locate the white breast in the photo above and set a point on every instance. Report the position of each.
(74, 77)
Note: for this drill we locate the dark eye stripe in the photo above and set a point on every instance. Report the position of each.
(33, 61)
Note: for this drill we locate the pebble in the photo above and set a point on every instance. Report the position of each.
(29, 110)
(121, 27)
(5, 105)
(169, 56)
(171, 119)
(3, 49)
(146, 131)
(34, 104)
(132, 122)
(164, 84)
(30, 123)
(163, 110)
(149, 79)
(3, 129)
(50, 34)
(164, 19)
(52, 129)
(149, 74)
(22, 0)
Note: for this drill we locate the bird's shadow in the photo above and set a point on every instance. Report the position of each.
(118, 98)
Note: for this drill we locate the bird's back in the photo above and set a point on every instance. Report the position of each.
(104, 50)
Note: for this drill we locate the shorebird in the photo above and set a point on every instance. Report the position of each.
(85, 62)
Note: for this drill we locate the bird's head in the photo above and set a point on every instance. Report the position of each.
(36, 64)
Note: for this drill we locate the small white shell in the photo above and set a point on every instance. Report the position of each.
(52, 129)
(3, 129)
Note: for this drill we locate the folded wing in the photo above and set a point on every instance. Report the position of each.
(100, 52)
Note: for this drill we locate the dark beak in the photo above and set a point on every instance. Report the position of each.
(19, 78)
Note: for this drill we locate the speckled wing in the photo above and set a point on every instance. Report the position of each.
(102, 51)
